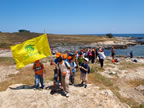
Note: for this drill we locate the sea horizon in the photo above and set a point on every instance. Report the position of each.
(139, 35)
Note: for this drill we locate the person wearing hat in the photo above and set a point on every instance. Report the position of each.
(65, 57)
(38, 68)
(66, 71)
(57, 72)
(73, 66)
(84, 72)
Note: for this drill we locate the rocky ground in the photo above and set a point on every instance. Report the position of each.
(126, 72)
(127, 90)
(119, 42)
(20, 96)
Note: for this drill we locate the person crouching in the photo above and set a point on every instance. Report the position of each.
(65, 73)
(38, 68)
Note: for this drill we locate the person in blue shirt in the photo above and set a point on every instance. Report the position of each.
(57, 72)
(65, 57)
(73, 66)
(84, 72)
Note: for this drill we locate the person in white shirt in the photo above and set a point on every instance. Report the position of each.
(101, 57)
(66, 71)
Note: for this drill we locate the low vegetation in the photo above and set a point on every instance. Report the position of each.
(130, 65)
(9, 39)
(26, 76)
(109, 35)
(136, 83)
(5, 61)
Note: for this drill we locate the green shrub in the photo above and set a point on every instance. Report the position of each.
(109, 35)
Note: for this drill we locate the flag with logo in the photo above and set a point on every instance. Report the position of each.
(31, 50)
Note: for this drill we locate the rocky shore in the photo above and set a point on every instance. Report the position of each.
(118, 43)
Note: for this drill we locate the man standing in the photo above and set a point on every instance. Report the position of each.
(38, 68)
(112, 52)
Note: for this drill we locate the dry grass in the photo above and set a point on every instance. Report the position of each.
(25, 76)
(135, 83)
(96, 78)
(5, 61)
(128, 101)
(129, 65)
(9, 39)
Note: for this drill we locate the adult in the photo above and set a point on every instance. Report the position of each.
(101, 57)
(131, 54)
(90, 54)
(93, 56)
(112, 52)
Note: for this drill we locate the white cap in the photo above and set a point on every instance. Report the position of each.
(86, 59)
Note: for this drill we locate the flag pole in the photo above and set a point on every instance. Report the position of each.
(44, 31)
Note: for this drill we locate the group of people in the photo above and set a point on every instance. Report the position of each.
(92, 55)
(66, 66)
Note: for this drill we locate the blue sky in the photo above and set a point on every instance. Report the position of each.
(72, 16)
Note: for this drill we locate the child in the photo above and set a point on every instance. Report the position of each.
(65, 73)
(73, 66)
(38, 68)
(57, 72)
(80, 58)
(84, 71)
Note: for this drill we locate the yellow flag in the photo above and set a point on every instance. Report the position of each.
(31, 50)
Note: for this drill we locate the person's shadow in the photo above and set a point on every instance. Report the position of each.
(58, 90)
(78, 85)
(22, 87)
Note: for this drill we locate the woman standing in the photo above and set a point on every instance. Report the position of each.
(101, 57)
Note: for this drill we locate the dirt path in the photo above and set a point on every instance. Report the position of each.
(5, 53)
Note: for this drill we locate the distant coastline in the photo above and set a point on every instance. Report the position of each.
(141, 35)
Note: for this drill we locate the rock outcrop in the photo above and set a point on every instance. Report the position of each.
(22, 96)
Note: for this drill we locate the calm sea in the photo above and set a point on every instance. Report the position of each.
(138, 50)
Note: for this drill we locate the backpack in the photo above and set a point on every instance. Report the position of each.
(88, 69)
(66, 65)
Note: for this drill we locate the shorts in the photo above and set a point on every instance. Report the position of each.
(55, 76)
(83, 76)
